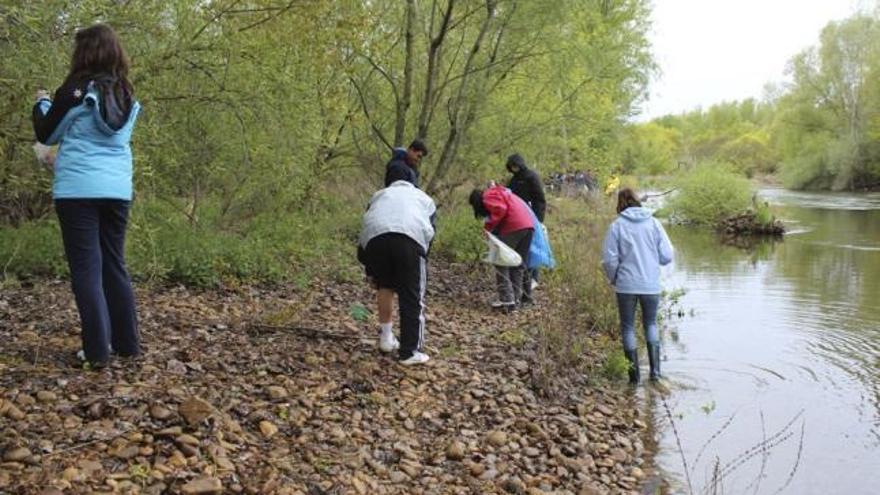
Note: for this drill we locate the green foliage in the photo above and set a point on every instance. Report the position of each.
(709, 193)
(34, 249)
(253, 117)
(359, 312)
(162, 247)
(615, 366)
(459, 236)
(821, 132)
(651, 149)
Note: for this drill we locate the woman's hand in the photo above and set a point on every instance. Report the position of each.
(42, 94)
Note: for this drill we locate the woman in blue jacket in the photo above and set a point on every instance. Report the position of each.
(635, 247)
(91, 118)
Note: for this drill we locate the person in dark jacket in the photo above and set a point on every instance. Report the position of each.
(526, 184)
(91, 118)
(404, 163)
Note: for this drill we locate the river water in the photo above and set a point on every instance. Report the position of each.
(772, 355)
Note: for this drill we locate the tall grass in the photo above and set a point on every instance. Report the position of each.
(582, 310)
(164, 246)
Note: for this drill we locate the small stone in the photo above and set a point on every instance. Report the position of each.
(15, 413)
(186, 439)
(398, 477)
(268, 429)
(513, 486)
(224, 464)
(477, 469)
(275, 392)
(202, 485)
(455, 451)
(531, 452)
(604, 410)
(618, 455)
(359, 486)
(71, 474)
(160, 412)
(497, 438)
(129, 452)
(46, 396)
(16, 455)
(194, 410)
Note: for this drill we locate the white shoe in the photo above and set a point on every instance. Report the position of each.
(388, 342)
(534, 284)
(416, 358)
(81, 355)
(501, 304)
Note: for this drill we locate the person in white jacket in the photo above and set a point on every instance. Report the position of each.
(393, 246)
(635, 247)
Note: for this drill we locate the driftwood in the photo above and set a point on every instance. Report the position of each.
(747, 223)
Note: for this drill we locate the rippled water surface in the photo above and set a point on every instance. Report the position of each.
(774, 369)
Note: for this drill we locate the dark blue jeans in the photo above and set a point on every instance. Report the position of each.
(94, 242)
(626, 306)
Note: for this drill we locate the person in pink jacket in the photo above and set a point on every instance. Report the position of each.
(507, 217)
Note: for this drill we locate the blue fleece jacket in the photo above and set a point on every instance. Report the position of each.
(635, 247)
(94, 157)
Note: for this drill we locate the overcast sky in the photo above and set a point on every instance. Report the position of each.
(711, 51)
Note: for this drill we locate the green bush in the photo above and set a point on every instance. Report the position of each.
(615, 366)
(710, 193)
(34, 249)
(163, 246)
(458, 235)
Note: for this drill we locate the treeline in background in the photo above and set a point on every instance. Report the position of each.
(820, 131)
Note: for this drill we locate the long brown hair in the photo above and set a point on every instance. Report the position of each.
(98, 51)
(626, 197)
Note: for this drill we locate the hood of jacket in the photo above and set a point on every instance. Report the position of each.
(113, 105)
(637, 214)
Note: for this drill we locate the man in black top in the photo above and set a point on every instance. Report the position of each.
(526, 184)
(404, 163)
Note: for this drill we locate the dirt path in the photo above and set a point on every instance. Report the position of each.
(268, 391)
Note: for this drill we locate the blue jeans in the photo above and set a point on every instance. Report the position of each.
(626, 305)
(94, 243)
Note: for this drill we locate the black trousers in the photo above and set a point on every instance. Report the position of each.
(94, 243)
(394, 261)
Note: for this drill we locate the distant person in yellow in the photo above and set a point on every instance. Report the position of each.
(612, 185)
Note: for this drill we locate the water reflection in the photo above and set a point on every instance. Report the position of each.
(779, 328)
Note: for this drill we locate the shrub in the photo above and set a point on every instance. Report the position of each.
(458, 235)
(710, 193)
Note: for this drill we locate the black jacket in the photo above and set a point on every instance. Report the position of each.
(398, 169)
(527, 185)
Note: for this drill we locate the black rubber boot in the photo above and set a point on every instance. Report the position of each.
(654, 361)
(633, 358)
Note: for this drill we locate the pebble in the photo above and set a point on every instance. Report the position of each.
(16, 454)
(202, 486)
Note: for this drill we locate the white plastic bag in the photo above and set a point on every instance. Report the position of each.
(45, 155)
(501, 254)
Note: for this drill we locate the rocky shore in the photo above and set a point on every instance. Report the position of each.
(283, 391)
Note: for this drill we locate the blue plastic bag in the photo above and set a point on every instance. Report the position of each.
(540, 253)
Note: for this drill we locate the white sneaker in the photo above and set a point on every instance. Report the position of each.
(534, 284)
(388, 342)
(416, 358)
(501, 304)
(81, 355)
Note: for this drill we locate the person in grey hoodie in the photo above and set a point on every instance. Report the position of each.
(398, 229)
(635, 248)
